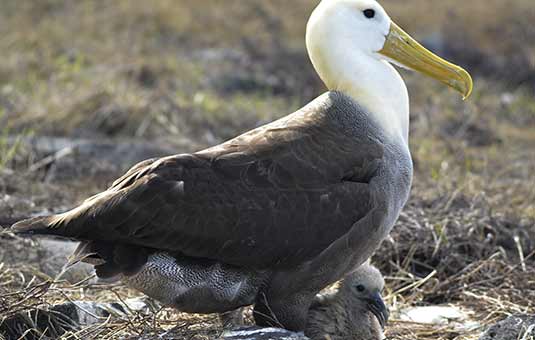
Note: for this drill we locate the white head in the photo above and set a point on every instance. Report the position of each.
(351, 44)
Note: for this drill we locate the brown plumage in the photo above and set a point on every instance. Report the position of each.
(354, 311)
(235, 202)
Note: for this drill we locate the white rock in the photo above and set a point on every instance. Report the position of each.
(438, 315)
(258, 333)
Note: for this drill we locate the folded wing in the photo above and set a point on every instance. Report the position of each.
(276, 196)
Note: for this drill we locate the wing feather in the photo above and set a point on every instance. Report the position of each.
(277, 195)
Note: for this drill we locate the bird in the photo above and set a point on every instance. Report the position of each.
(289, 207)
(355, 310)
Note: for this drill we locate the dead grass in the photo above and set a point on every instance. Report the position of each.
(452, 250)
(207, 70)
(455, 250)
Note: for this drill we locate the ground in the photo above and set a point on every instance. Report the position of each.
(188, 74)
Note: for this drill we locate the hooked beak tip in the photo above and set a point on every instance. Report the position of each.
(379, 309)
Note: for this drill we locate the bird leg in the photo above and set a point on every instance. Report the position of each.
(232, 319)
(289, 312)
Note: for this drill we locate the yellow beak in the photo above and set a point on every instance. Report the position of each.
(403, 49)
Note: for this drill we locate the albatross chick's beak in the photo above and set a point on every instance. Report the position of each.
(379, 309)
(405, 51)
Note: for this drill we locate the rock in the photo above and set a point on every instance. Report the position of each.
(521, 327)
(440, 315)
(433, 314)
(12, 206)
(47, 255)
(257, 333)
(6, 222)
(52, 323)
(243, 333)
(66, 159)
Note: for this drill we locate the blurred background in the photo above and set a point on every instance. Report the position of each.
(89, 87)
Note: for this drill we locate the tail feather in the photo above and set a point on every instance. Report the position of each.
(109, 258)
(85, 252)
(35, 226)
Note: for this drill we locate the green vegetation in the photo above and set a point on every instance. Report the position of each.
(9, 146)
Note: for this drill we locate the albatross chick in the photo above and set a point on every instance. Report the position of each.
(354, 311)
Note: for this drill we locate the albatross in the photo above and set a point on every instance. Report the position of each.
(354, 310)
(273, 216)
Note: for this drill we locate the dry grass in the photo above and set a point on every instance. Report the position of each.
(207, 70)
(451, 250)
(457, 251)
(24, 289)
(182, 67)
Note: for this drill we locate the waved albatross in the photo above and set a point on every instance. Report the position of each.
(275, 215)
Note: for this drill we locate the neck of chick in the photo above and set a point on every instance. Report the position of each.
(372, 82)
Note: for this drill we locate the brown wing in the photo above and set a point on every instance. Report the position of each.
(279, 194)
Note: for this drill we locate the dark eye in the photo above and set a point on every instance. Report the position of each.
(369, 13)
(361, 288)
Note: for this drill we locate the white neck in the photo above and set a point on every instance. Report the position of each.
(373, 83)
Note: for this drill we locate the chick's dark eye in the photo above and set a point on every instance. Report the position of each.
(369, 13)
(361, 288)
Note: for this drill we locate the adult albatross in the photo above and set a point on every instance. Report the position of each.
(272, 216)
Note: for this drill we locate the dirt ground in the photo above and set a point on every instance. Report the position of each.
(80, 79)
